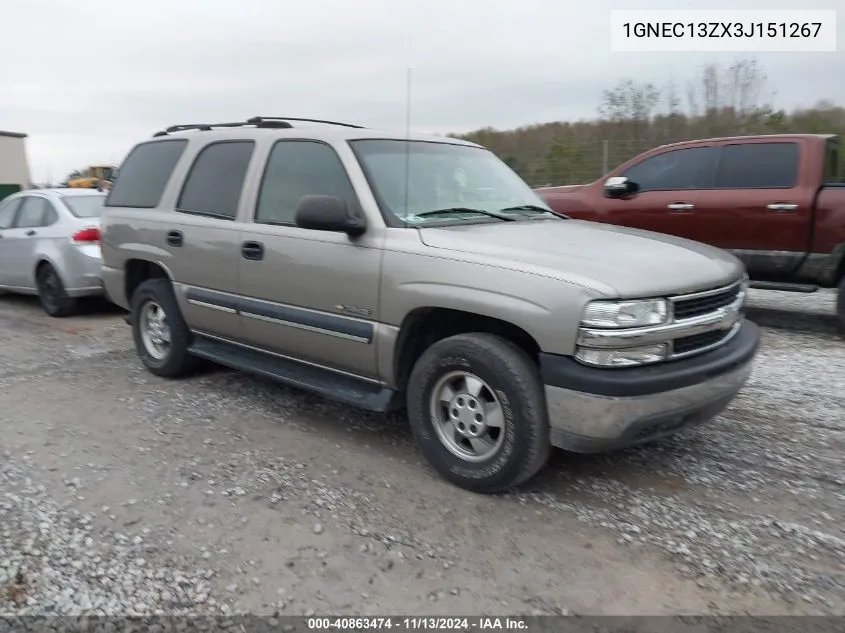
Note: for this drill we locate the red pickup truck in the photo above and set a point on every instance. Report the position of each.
(777, 202)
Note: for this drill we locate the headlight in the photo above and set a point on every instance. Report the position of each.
(622, 357)
(613, 314)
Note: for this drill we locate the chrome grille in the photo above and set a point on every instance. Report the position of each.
(701, 304)
(689, 306)
(699, 343)
(698, 322)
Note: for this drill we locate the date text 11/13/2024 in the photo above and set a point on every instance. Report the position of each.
(400, 624)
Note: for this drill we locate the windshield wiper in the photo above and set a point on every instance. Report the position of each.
(533, 207)
(464, 210)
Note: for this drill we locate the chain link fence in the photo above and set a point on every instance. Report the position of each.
(569, 162)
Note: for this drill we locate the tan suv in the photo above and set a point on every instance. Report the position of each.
(421, 272)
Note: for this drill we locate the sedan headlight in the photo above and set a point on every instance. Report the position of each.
(620, 314)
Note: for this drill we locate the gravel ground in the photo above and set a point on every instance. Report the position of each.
(122, 493)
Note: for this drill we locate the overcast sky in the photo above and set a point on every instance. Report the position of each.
(87, 80)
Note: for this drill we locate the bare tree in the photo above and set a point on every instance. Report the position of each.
(741, 87)
(671, 98)
(628, 101)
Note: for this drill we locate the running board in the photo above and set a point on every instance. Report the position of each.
(329, 384)
(786, 287)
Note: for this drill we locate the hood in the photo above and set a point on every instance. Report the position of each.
(613, 260)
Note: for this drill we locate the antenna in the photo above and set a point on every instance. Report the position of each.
(407, 145)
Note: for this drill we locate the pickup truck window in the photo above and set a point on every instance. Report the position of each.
(758, 166)
(296, 169)
(834, 170)
(690, 168)
(145, 173)
(213, 186)
(415, 177)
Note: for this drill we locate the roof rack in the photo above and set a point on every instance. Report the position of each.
(256, 121)
(262, 120)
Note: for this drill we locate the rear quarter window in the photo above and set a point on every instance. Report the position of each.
(834, 169)
(145, 174)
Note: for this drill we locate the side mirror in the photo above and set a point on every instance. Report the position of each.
(328, 213)
(617, 186)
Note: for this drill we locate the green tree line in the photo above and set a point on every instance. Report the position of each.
(634, 116)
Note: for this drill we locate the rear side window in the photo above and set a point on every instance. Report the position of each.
(34, 212)
(690, 168)
(758, 166)
(296, 169)
(145, 173)
(213, 186)
(7, 212)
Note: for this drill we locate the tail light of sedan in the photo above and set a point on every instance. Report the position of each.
(89, 235)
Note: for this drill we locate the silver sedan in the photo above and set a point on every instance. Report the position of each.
(50, 246)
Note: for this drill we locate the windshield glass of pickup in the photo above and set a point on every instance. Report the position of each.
(85, 206)
(421, 182)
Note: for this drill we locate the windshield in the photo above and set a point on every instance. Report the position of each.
(413, 179)
(84, 206)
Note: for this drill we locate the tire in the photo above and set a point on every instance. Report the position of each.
(840, 308)
(151, 300)
(510, 456)
(51, 292)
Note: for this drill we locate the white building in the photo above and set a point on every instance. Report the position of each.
(14, 166)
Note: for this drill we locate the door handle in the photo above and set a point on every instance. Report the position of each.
(782, 206)
(252, 250)
(175, 238)
(680, 206)
(30, 233)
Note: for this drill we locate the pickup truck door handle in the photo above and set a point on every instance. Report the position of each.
(175, 238)
(680, 206)
(30, 233)
(782, 206)
(252, 250)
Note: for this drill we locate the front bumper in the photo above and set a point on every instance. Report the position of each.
(595, 410)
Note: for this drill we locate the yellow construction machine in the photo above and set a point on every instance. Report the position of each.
(93, 177)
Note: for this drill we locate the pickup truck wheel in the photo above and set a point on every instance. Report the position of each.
(840, 307)
(478, 412)
(161, 335)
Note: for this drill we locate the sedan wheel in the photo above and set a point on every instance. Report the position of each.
(51, 292)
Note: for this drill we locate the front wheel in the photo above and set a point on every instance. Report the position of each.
(840, 307)
(478, 412)
(161, 335)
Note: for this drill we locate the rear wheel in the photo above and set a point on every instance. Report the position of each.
(51, 292)
(161, 335)
(840, 307)
(478, 412)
